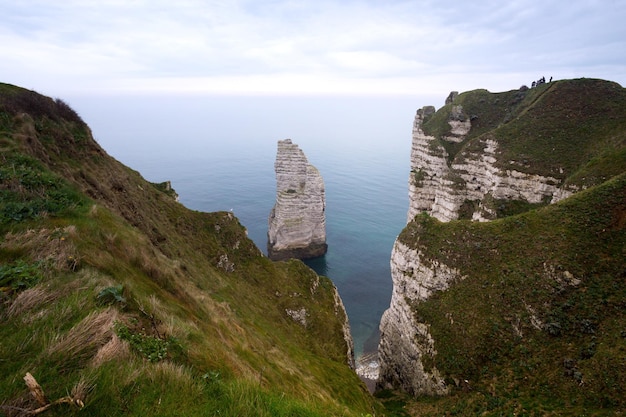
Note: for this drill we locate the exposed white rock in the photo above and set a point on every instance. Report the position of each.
(428, 167)
(460, 125)
(367, 366)
(297, 223)
(414, 278)
(299, 316)
(442, 187)
(225, 264)
(563, 278)
(406, 347)
(340, 310)
(564, 193)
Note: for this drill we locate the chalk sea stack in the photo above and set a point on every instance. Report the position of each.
(297, 222)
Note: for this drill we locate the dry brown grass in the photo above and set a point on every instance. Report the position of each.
(82, 341)
(115, 348)
(154, 263)
(179, 375)
(42, 404)
(53, 247)
(82, 388)
(167, 370)
(31, 299)
(93, 210)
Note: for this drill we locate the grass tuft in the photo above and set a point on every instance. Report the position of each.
(83, 340)
(29, 300)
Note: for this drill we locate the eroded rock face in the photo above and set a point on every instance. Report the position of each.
(406, 350)
(442, 188)
(297, 223)
(340, 310)
(445, 188)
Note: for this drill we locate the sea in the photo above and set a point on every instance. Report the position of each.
(219, 152)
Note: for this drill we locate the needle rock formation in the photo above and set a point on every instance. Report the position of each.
(297, 223)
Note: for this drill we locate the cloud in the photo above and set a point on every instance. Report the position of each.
(306, 46)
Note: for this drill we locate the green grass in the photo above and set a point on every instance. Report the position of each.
(565, 129)
(29, 191)
(554, 130)
(561, 266)
(116, 291)
(19, 276)
(486, 110)
(535, 322)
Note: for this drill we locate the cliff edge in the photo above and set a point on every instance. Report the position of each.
(297, 222)
(525, 301)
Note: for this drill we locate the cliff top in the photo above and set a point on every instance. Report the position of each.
(554, 129)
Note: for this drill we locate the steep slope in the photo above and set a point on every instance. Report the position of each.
(484, 156)
(118, 296)
(523, 314)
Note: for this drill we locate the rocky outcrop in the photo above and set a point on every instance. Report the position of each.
(340, 311)
(297, 222)
(406, 351)
(471, 181)
(469, 184)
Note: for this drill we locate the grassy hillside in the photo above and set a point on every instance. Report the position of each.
(554, 130)
(117, 296)
(537, 324)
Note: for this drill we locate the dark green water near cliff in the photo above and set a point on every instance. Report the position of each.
(219, 155)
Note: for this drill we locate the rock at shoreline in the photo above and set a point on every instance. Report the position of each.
(297, 222)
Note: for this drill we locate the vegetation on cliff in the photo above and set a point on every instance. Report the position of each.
(127, 303)
(536, 323)
(120, 301)
(570, 129)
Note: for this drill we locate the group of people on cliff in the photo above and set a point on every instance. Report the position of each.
(540, 81)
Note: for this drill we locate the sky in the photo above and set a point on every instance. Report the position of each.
(306, 47)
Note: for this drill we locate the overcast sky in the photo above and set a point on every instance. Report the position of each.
(299, 47)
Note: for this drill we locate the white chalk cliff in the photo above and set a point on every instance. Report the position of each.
(441, 188)
(406, 347)
(469, 184)
(297, 223)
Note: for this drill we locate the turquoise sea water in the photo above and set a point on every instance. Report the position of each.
(219, 154)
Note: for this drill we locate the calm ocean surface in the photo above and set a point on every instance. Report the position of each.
(219, 154)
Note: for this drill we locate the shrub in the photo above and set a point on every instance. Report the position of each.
(111, 295)
(38, 106)
(28, 191)
(153, 348)
(20, 275)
